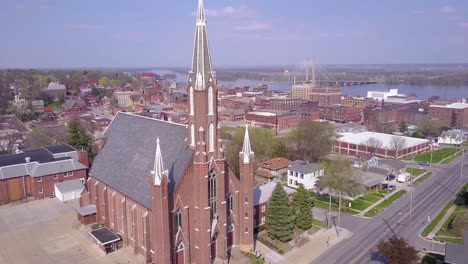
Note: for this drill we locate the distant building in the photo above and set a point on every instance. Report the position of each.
(272, 120)
(56, 90)
(451, 115)
(326, 95)
(37, 105)
(452, 137)
(232, 115)
(124, 99)
(12, 133)
(35, 172)
(354, 102)
(340, 114)
(74, 107)
(285, 104)
(379, 95)
(305, 173)
(356, 143)
(302, 91)
(261, 196)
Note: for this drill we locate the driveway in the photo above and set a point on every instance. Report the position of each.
(46, 231)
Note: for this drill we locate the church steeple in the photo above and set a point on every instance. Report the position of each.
(202, 91)
(158, 170)
(201, 66)
(246, 149)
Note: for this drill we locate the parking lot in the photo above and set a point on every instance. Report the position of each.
(46, 231)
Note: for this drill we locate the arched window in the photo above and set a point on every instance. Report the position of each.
(211, 139)
(192, 135)
(191, 100)
(210, 100)
(212, 193)
(180, 247)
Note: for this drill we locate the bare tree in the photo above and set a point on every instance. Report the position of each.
(373, 144)
(397, 144)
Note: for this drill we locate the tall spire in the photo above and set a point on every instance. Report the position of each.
(246, 149)
(158, 170)
(201, 65)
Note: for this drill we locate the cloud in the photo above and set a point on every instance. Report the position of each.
(253, 26)
(341, 35)
(464, 24)
(447, 9)
(295, 36)
(84, 26)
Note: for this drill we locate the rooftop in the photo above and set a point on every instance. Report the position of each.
(262, 113)
(263, 192)
(361, 137)
(70, 186)
(275, 163)
(305, 167)
(454, 106)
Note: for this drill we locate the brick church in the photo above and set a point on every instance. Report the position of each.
(166, 188)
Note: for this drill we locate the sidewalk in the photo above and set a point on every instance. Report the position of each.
(439, 225)
(362, 213)
(319, 242)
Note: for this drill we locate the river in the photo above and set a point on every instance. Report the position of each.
(445, 92)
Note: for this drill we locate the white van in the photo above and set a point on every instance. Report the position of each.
(404, 177)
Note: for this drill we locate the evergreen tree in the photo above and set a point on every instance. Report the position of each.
(280, 217)
(78, 137)
(303, 208)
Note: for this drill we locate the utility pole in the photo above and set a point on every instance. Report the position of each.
(307, 70)
(411, 195)
(461, 168)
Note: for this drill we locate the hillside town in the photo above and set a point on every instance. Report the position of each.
(139, 167)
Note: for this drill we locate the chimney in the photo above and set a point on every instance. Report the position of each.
(27, 159)
(83, 157)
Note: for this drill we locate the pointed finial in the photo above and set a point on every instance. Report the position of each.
(246, 149)
(158, 170)
(201, 12)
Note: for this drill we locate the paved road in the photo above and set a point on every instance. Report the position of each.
(429, 199)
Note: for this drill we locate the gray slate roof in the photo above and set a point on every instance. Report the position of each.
(368, 179)
(127, 159)
(263, 192)
(43, 161)
(457, 254)
(69, 103)
(305, 167)
(70, 186)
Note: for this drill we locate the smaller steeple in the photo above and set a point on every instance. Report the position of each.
(158, 171)
(246, 149)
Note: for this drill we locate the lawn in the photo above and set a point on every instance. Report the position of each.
(254, 259)
(437, 155)
(371, 198)
(422, 179)
(334, 207)
(54, 105)
(320, 224)
(445, 230)
(415, 171)
(374, 211)
(278, 246)
(359, 204)
(453, 240)
(437, 219)
(452, 158)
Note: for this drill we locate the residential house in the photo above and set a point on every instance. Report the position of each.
(261, 196)
(305, 173)
(35, 172)
(272, 169)
(56, 90)
(38, 105)
(365, 160)
(12, 133)
(73, 107)
(452, 137)
(369, 179)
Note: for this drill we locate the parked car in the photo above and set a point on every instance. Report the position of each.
(390, 177)
(385, 186)
(425, 163)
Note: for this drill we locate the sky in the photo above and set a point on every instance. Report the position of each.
(157, 33)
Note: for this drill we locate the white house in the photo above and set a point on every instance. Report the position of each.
(69, 190)
(453, 137)
(305, 173)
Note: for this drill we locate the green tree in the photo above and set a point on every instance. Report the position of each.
(78, 137)
(429, 127)
(104, 81)
(398, 251)
(403, 127)
(279, 150)
(311, 140)
(280, 217)
(303, 208)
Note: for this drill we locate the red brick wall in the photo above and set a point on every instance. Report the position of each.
(48, 183)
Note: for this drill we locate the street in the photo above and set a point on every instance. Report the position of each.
(429, 199)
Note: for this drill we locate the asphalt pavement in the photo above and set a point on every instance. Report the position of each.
(429, 198)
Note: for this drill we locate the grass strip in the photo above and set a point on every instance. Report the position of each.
(437, 219)
(374, 211)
